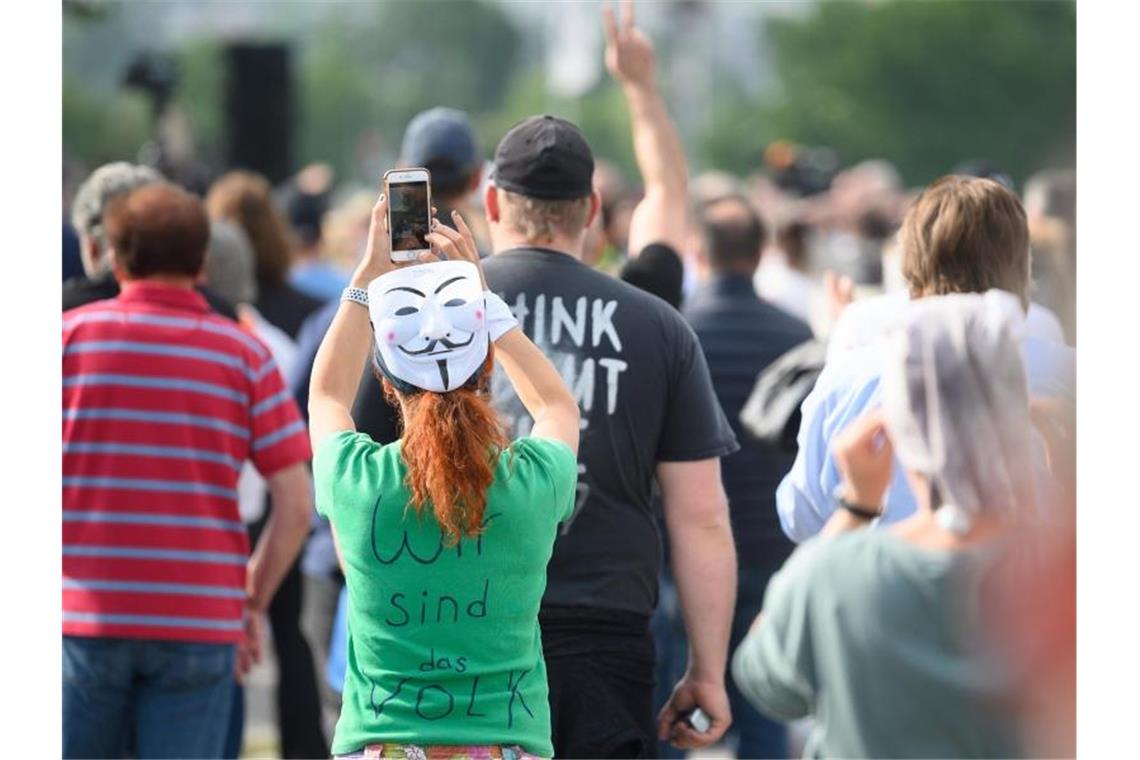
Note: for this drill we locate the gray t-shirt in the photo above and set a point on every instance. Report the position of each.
(883, 642)
(645, 395)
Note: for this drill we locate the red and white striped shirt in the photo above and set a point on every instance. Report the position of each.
(163, 401)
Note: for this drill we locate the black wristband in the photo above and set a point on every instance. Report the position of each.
(858, 511)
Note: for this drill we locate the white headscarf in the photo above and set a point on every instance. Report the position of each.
(956, 403)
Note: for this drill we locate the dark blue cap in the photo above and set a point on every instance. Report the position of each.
(442, 141)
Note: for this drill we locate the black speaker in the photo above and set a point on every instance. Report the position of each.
(259, 109)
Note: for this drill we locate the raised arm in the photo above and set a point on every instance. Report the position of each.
(539, 387)
(661, 214)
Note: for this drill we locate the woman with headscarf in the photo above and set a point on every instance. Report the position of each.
(878, 634)
(444, 535)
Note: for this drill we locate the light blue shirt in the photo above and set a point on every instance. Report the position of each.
(848, 387)
(319, 279)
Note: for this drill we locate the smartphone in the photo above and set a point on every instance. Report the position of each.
(697, 720)
(409, 212)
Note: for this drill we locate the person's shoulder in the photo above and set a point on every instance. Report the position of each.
(315, 326)
(343, 445)
(237, 338)
(1050, 367)
(1041, 322)
(851, 370)
(102, 305)
(82, 291)
(777, 320)
(548, 452)
(823, 561)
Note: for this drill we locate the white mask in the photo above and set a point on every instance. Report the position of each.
(430, 322)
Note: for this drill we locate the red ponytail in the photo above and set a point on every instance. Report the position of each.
(451, 443)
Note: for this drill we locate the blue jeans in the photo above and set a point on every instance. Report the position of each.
(158, 698)
(752, 735)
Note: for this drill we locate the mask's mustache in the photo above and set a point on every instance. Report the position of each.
(430, 347)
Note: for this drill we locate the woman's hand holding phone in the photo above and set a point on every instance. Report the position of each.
(378, 252)
(456, 245)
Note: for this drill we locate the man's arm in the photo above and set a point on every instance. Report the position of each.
(660, 217)
(291, 493)
(704, 566)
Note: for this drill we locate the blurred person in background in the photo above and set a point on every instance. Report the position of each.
(618, 203)
(1034, 604)
(347, 226)
(98, 281)
(345, 230)
(244, 199)
(781, 277)
(72, 261)
(648, 413)
(862, 200)
(740, 336)
(306, 202)
(231, 268)
(443, 141)
(1051, 207)
(163, 403)
(912, 670)
(963, 235)
(472, 683)
(861, 321)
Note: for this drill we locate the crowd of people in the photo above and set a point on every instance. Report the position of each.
(770, 463)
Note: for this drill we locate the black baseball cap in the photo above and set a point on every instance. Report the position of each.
(545, 157)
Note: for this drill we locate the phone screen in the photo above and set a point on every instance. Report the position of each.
(408, 213)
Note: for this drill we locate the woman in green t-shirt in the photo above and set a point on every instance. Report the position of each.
(444, 535)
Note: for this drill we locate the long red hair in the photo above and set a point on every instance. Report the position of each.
(451, 443)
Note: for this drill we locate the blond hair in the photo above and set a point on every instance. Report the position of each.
(541, 221)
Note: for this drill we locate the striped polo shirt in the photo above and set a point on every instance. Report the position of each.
(163, 401)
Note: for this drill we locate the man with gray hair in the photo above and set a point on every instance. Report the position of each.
(104, 185)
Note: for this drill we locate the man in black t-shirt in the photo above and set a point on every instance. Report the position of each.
(648, 413)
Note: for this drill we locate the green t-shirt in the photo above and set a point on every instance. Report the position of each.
(443, 641)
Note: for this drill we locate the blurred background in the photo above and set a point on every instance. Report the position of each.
(185, 83)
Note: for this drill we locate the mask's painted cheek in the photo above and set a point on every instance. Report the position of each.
(468, 317)
(396, 330)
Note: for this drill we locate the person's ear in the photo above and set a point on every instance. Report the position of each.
(120, 272)
(491, 204)
(595, 208)
(89, 254)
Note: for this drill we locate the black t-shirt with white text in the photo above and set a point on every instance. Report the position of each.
(645, 395)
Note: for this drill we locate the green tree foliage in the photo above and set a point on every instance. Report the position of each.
(98, 128)
(925, 84)
(372, 74)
